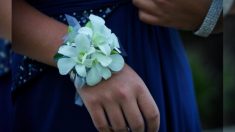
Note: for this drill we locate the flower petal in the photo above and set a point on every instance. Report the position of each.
(86, 31)
(72, 21)
(68, 51)
(105, 48)
(90, 51)
(88, 62)
(83, 42)
(104, 72)
(104, 60)
(78, 100)
(98, 24)
(115, 41)
(96, 19)
(81, 70)
(93, 77)
(79, 82)
(117, 62)
(65, 65)
(70, 37)
(98, 39)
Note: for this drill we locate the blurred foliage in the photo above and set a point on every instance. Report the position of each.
(229, 89)
(229, 70)
(206, 58)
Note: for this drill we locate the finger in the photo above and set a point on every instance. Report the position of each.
(150, 111)
(153, 20)
(148, 18)
(133, 116)
(116, 117)
(99, 118)
(147, 6)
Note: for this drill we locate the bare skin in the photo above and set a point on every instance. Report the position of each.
(180, 14)
(124, 96)
(5, 22)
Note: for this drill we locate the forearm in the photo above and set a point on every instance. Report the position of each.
(35, 34)
(5, 22)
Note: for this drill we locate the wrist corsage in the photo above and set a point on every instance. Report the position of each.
(89, 54)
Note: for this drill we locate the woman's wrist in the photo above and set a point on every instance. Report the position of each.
(89, 54)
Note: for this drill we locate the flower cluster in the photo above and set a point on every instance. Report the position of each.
(92, 52)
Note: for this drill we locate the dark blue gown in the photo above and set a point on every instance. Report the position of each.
(6, 108)
(44, 100)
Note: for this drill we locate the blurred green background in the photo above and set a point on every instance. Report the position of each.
(214, 82)
(229, 70)
(206, 60)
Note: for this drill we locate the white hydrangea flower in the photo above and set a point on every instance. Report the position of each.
(102, 36)
(76, 56)
(93, 52)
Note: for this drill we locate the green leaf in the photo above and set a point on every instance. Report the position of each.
(88, 24)
(114, 52)
(57, 56)
(70, 29)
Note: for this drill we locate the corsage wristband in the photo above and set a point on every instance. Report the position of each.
(89, 54)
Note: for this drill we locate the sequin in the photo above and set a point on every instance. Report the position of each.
(108, 10)
(4, 57)
(21, 68)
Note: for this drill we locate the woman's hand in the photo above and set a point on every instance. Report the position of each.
(5, 21)
(123, 97)
(181, 14)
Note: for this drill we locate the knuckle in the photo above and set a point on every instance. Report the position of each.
(120, 129)
(107, 97)
(139, 126)
(122, 93)
(154, 117)
(140, 88)
(92, 101)
(135, 2)
(102, 128)
(142, 16)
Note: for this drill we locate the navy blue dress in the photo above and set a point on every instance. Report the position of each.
(6, 108)
(44, 100)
